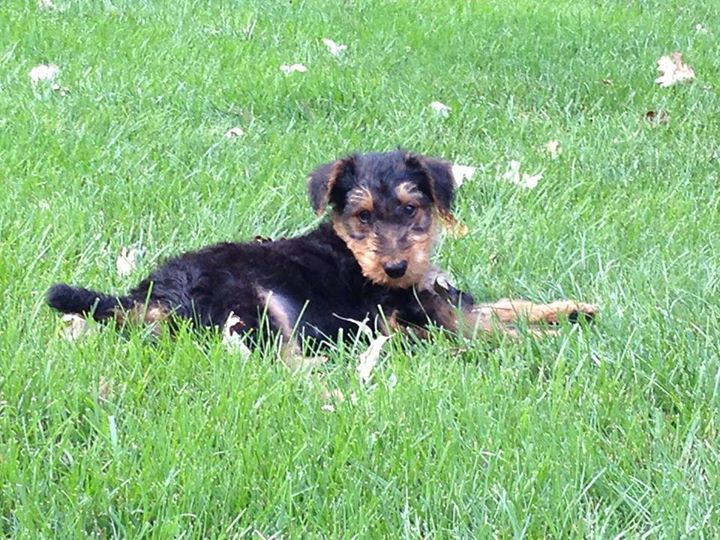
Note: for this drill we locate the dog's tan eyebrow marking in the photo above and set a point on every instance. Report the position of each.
(360, 198)
(407, 192)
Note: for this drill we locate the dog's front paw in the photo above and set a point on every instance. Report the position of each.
(583, 312)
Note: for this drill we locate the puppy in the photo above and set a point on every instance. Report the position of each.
(370, 260)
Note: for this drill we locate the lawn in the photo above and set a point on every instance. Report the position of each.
(602, 432)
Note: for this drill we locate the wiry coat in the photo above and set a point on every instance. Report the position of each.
(308, 286)
(371, 261)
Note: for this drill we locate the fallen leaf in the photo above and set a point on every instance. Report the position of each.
(104, 390)
(530, 181)
(363, 326)
(44, 72)
(231, 336)
(62, 90)
(287, 69)
(234, 132)
(297, 361)
(75, 326)
(248, 29)
(127, 261)
(334, 48)
(514, 176)
(513, 172)
(458, 229)
(332, 395)
(440, 109)
(461, 173)
(369, 358)
(607, 82)
(657, 117)
(553, 148)
(112, 426)
(673, 70)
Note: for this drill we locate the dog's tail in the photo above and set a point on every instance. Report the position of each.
(99, 306)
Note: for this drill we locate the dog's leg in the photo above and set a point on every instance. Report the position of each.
(499, 315)
(509, 310)
(283, 321)
(154, 316)
(456, 318)
(470, 318)
(442, 304)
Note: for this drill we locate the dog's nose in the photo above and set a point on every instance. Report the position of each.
(395, 269)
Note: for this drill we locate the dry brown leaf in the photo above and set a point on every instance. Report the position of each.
(75, 326)
(231, 336)
(44, 72)
(127, 261)
(369, 358)
(513, 175)
(657, 117)
(61, 90)
(334, 48)
(287, 69)
(461, 173)
(458, 229)
(530, 181)
(332, 395)
(104, 390)
(297, 361)
(234, 132)
(442, 110)
(363, 326)
(673, 70)
(553, 148)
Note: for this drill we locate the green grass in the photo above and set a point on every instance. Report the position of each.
(595, 433)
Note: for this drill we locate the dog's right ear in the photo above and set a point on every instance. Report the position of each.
(323, 180)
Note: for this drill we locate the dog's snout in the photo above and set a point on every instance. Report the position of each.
(395, 269)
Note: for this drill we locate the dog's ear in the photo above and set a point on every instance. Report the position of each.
(440, 177)
(322, 181)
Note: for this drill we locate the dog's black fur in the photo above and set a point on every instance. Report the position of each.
(371, 261)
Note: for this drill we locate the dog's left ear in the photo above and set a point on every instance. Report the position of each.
(440, 177)
(322, 181)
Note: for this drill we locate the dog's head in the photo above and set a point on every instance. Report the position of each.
(385, 207)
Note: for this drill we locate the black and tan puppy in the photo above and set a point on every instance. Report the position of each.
(371, 260)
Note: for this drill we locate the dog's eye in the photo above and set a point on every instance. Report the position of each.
(364, 217)
(409, 210)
